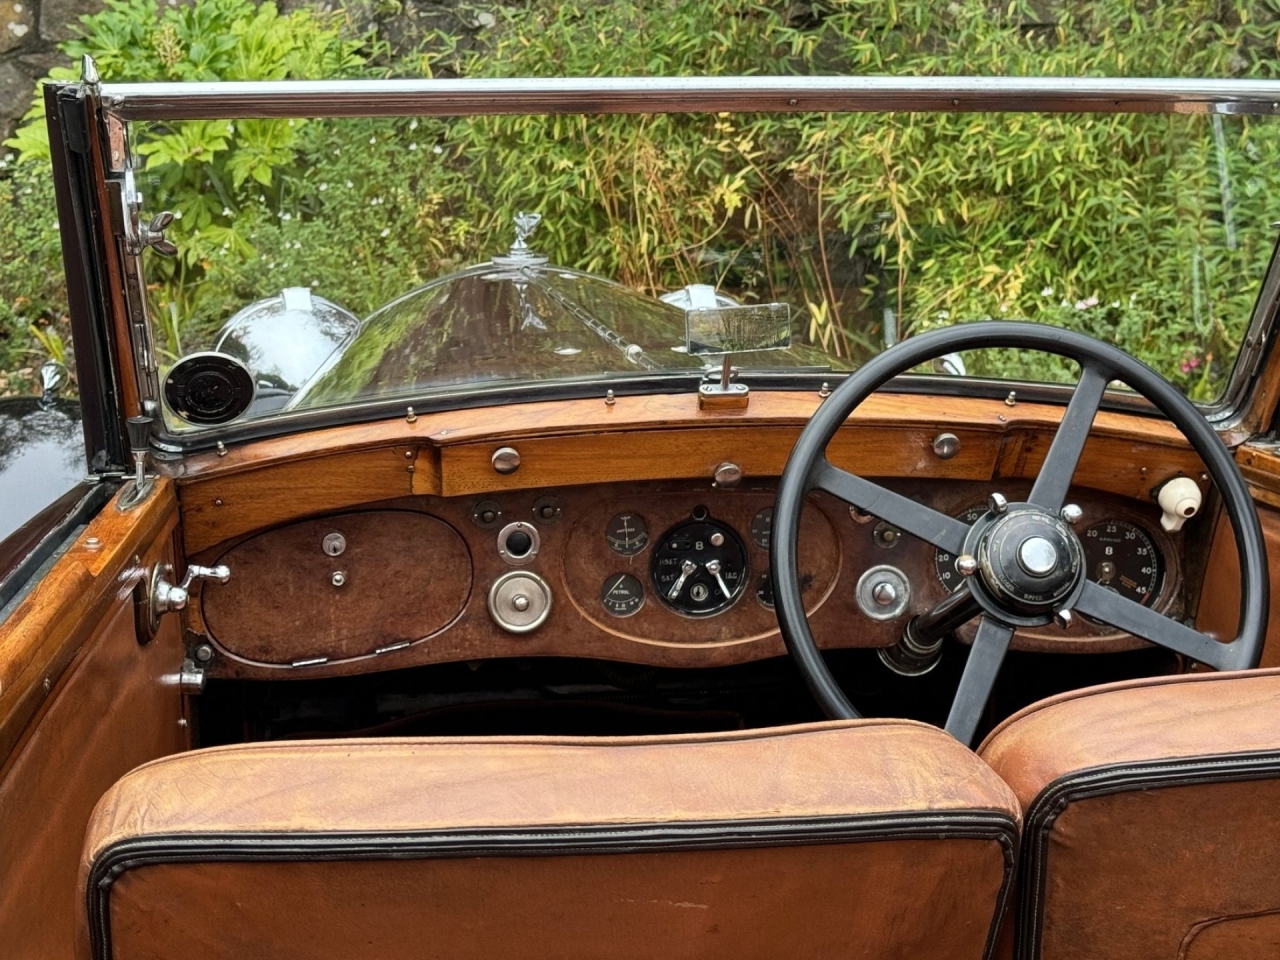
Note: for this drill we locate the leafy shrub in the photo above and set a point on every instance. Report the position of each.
(32, 287)
(1115, 225)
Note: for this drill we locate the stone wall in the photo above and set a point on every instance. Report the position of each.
(29, 33)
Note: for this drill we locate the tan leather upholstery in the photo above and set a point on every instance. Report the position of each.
(882, 839)
(1152, 819)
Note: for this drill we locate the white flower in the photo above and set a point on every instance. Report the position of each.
(286, 217)
(413, 146)
(1047, 292)
(944, 314)
(297, 245)
(350, 184)
(386, 232)
(437, 149)
(177, 214)
(226, 211)
(1004, 308)
(373, 139)
(413, 124)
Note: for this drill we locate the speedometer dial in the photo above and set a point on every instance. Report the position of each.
(1122, 557)
(945, 563)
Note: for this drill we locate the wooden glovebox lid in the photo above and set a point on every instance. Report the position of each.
(402, 576)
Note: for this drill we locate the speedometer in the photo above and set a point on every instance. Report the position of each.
(1122, 557)
(944, 563)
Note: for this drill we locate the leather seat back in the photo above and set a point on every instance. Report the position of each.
(1152, 819)
(881, 839)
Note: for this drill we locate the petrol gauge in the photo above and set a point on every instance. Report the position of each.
(627, 534)
(622, 594)
(1122, 557)
(944, 562)
(699, 568)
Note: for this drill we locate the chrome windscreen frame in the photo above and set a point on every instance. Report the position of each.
(118, 103)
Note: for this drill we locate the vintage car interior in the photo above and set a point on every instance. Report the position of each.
(364, 640)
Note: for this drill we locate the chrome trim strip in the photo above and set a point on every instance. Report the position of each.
(362, 98)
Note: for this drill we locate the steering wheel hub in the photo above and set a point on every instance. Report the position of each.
(1030, 560)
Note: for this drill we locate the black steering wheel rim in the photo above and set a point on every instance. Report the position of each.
(807, 468)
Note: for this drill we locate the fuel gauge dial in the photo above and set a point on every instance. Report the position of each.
(622, 594)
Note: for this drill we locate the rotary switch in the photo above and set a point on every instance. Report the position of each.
(519, 601)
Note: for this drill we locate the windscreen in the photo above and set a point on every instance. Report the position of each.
(1149, 231)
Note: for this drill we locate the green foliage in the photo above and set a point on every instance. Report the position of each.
(32, 291)
(1115, 225)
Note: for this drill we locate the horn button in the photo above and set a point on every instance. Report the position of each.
(1030, 560)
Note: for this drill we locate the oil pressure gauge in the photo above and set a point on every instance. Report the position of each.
(627, 534)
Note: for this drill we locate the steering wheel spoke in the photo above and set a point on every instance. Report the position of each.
(1050, 488)
(990, 644)
(1122, 613)
(904, 513)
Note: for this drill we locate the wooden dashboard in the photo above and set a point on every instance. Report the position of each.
(412, 580)
(412, 584)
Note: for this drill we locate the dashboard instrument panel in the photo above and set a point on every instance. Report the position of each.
(668, 573)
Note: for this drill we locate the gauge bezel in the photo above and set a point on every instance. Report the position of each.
(731, 536)
(1158, 554)
(645, 539)
(605, 590)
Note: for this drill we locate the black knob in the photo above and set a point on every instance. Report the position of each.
(139, 429)
(519, 543)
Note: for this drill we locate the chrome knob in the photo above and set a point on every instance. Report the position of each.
(727, 475)
(506, 460)
(1062, 618)
(520, 602)
(1072, 513)
(884, 593)
(966, 565)
(997, 503)
(946, 445)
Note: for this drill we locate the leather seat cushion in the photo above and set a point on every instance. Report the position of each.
(1152, 819)
(856, 839)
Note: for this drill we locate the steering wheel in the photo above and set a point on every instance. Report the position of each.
(1022, 563)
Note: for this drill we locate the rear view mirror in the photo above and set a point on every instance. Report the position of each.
(737, 329)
